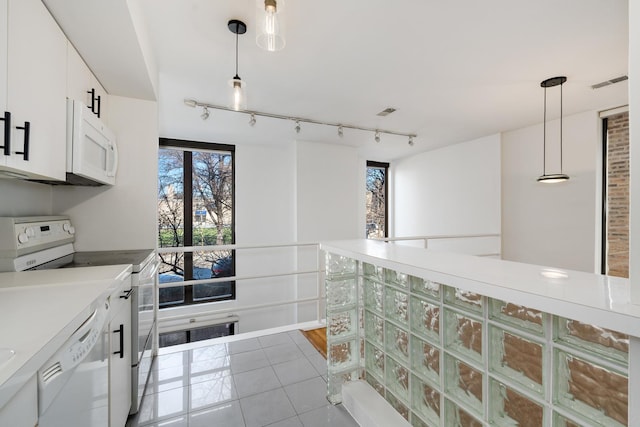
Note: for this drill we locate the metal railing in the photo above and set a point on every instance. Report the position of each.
(218, 312)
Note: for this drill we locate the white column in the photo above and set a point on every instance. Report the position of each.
(634, 149)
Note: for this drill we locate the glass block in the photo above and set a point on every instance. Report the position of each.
(400, 407)
(397, 378)
(334, 384)
(342, 324)
(374, 360)
(342, 355)
(425, 400)
(590, 391)
(458, 417)
(509, 408)
(517, 315)
(594, 339)
(395, 278)
(463, 335)
(374, 296)
(464, 299)
(425, 359)
(397, 342)
(464, 382)
(373, 382)
(374, 328)
(425, 287)
(425, 318)
(341, 293)
(397, 306)
(417, 422)
(370, 270)
(340, 266)
(517, 358)
(560, 421)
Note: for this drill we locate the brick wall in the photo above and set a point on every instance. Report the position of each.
(618, 195)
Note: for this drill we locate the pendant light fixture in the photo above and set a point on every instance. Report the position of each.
(555, 177)
(270, 24)
(238, 97)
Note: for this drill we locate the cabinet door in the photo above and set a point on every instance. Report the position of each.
(3, 77)
(78, 76)
(22, 409)
(120, 364)
(37, 51)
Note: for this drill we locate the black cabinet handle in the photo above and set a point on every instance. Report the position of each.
(7, 133)
(121, 332)
(126, 293)
(92, 107)
(27, 130)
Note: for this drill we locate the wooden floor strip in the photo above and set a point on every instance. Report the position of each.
(318, 338)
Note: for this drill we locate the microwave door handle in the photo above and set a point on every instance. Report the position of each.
(114, 167)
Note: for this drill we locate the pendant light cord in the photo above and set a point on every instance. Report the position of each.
(561, 127)
(237, 27)
(544, 135)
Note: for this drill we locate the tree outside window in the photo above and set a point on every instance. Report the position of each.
(195, 208)
(376, 199)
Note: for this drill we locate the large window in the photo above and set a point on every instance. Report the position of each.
(377, 189)
(195, 208)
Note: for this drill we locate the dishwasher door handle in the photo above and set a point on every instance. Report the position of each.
(120, 331)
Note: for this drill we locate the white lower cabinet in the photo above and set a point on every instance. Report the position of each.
(120, 359)
(22, 409)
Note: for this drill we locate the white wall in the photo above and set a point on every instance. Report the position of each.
(551, 224)
(328, 196)
(22, 198)
(122, 216)
(452, 190)
(634, 142)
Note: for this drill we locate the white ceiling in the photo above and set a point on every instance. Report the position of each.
(454, 70)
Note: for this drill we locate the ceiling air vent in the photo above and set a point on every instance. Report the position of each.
(386, 111)
(610, 82)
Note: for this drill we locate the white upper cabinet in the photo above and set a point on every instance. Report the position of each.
(3, 75)
(36, 88)
(83, 86)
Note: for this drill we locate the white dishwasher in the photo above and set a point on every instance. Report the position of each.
(73, 386)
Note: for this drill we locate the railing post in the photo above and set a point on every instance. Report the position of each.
(321, 278)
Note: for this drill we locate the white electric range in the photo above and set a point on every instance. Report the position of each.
(46, 242)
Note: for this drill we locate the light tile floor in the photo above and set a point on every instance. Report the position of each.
(274, 380)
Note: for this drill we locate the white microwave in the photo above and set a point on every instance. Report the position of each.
(92, 154)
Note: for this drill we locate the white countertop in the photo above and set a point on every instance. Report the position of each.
(39, 310)
(591, 298)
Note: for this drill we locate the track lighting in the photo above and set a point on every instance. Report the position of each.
(298, 120)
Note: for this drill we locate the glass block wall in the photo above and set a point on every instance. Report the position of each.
(442, 356)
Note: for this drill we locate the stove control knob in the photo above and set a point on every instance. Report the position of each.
(68, 228)
(31, 232)
(23, 238)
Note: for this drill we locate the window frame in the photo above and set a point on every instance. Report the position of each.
(188, 147)
(385, 166)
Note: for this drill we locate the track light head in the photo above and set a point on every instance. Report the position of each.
(190, 103)
(205, 113)
(340, 131)
(297, 126)
(252, 120)
(376, 138)
(411, 141)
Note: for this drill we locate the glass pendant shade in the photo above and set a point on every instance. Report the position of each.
(270, 24)
(554, 177)
(237, 95)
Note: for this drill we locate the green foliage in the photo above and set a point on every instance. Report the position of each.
(201, 237)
